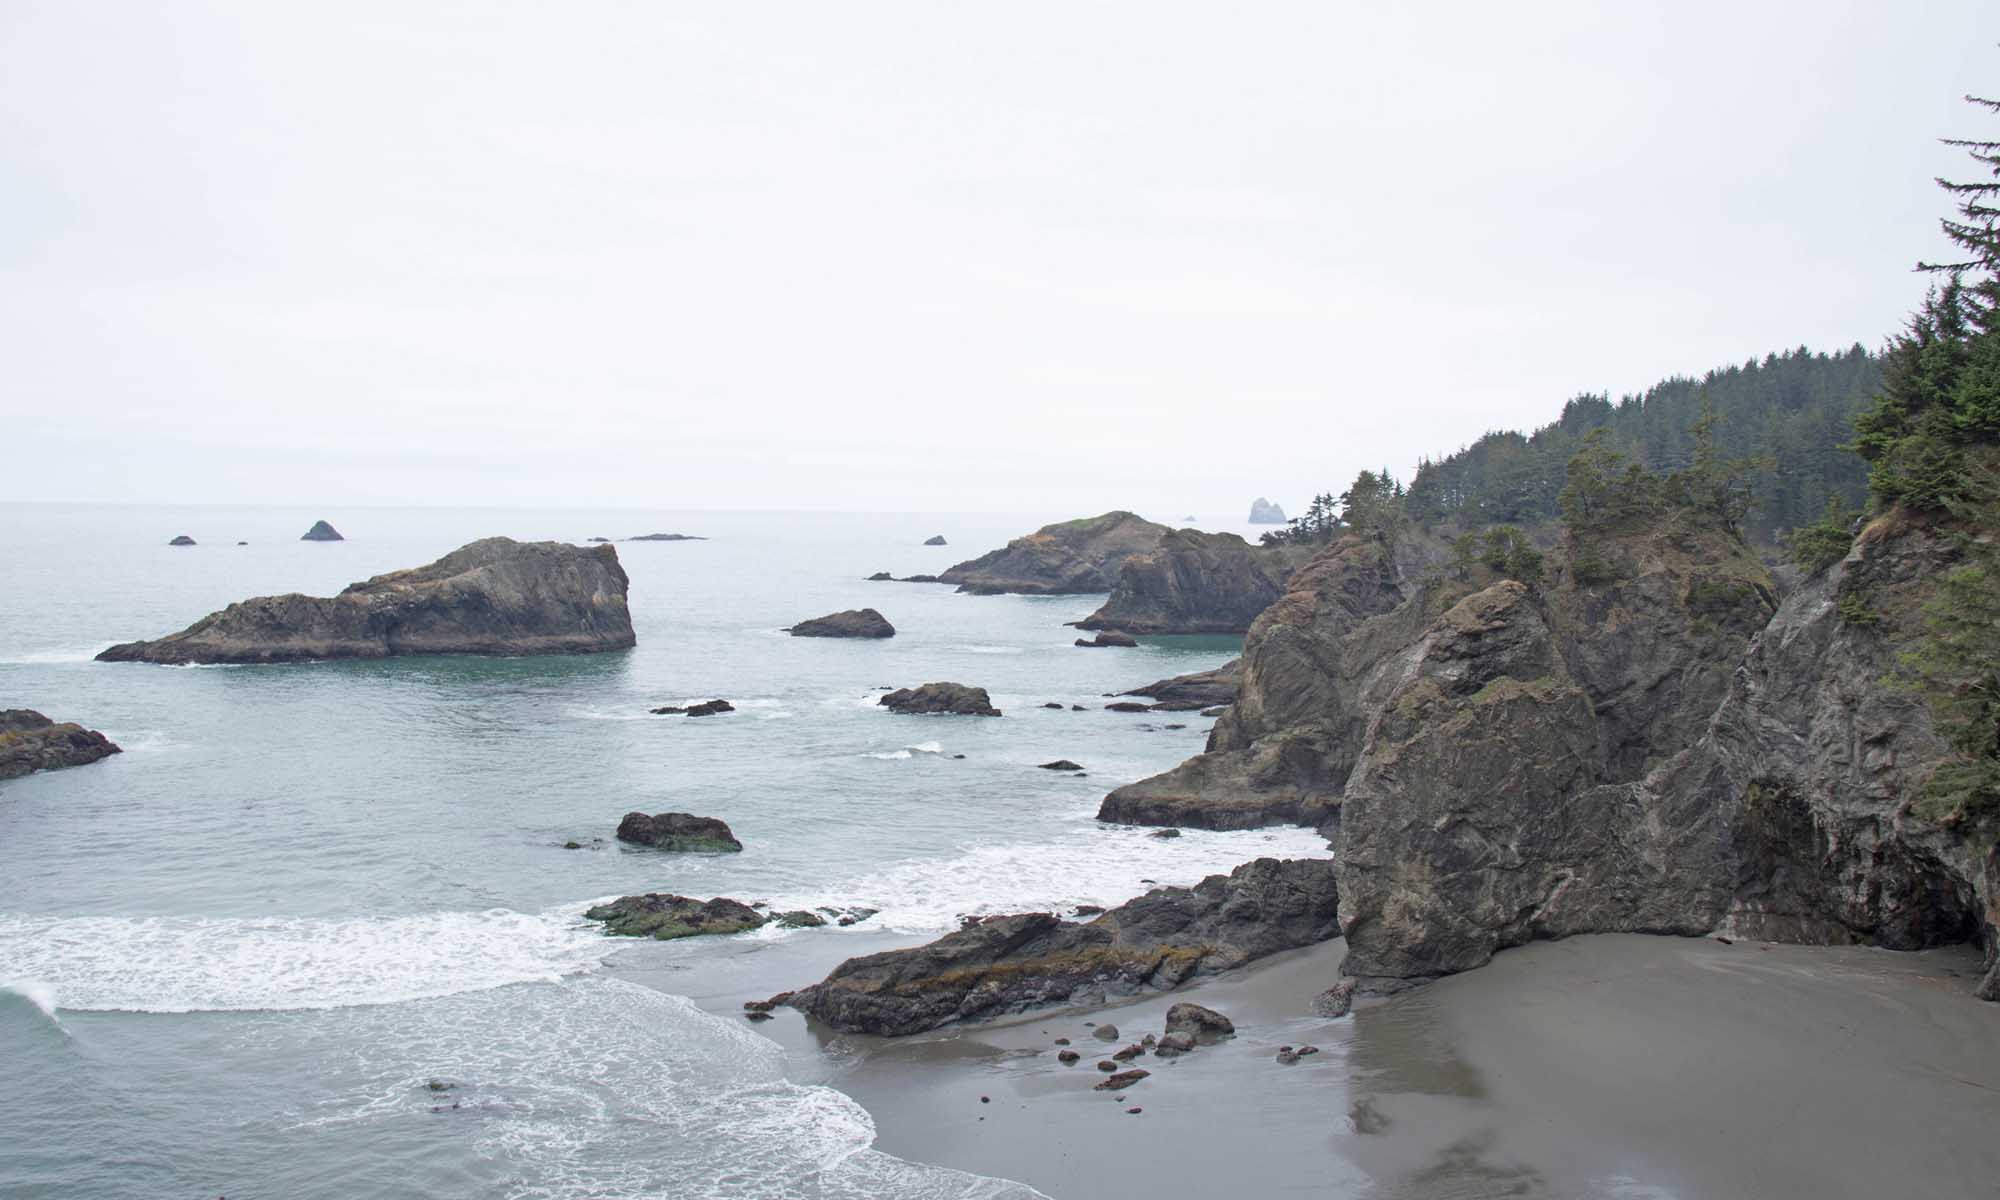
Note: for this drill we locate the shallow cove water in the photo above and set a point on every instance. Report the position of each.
(233, 958)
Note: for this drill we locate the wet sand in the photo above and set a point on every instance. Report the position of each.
(1620, 1066)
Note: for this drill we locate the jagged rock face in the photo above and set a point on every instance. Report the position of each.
(495, 596)
(1195, 582)
(1073, 556)
(1200, 689)
(854, 623)
(1263, 512)
(30, 742)
(1010, 964)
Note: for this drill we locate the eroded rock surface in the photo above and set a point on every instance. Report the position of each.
(1072, 556)
(1195, 582)
(496, 596)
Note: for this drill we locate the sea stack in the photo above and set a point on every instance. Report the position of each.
(182, 540)
(30, 742)
(936, 539)
(321, 532)
(854, 623)
(1263, 512)
(496, 596)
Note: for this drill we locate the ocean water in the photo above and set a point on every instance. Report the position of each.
(233, 958)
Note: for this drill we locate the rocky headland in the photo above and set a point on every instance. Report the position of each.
(998, 966)
(1072, 556)
(494, 597)
(31, 742)
(854, 623)
(1195, 582)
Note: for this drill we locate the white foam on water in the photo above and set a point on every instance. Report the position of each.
(598, 1087)
(989, 649)
(887, 755)
(933, 748)
(37, 993)
(194, 964)
(37, 658)
(1097, 864)
(151, 741)
(928, 748)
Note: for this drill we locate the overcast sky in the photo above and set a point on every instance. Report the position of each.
(921, 256)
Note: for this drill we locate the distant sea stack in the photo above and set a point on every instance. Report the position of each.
(936, 539)
(1072, 556)
(666, 537)
(182, 540)
(321, 532)
(30, 742)
(1263, 512)
(496, 596)
(854, 623)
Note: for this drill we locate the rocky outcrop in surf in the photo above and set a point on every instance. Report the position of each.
(664, 916)
(1197, 690)
(1263, 512)
(31, 742)
(321, 532)
(1003, 965)
(854, 623)
(1194, 582)
(952, 698)
(1072, 556)
(678, 831)
(1109, 638)
(494, 597)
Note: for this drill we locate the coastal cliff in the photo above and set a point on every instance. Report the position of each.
(1195, 582)
(495, 596)
(1072, 556)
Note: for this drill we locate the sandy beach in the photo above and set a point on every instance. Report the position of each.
(1604, 1066)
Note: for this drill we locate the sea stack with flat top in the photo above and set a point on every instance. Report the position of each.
(321, 532)
(496, 596)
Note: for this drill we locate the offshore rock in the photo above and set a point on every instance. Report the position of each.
(1263, 512)
(182, 540)
(677, 831)
(1072, 556)
(495, 596)
(1109, 637)
(1011, 964)
(954, 698)
(30, 742)
(854, 623)
(1194, 582)
(665, 917)
(321, 532)
(936, 539)
(666, 537)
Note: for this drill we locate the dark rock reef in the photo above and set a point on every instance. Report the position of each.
(707, 708)
(854, 623)
(677, 831)
(495, 596)
(1005, 965)
(1108, 637)
(1072, 556)
(1194, 582)
(665, 917)
(321, 532)
(666, 537)
(30, 742)
(1263, 512)
(954, 698)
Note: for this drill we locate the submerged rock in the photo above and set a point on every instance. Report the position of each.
(1122, 1079)
(854, 623)
(1010, 964)
(941, 698)
(707, 708)
(1127, 706)
(677, 831)
(1109, 637)
(1061, 764)
(496, 597)
(1072, 556)
(30, 742)
(321, 532)
(661, 916)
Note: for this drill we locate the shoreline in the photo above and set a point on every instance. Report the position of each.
(1621, 1065)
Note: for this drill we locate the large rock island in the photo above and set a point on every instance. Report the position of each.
(1195, 582)
(30, 742)
(495, 596)
(1072, 556)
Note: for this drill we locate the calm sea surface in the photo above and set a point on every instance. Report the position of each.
(233, 957)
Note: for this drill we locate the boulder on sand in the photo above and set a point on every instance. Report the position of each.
(941, 698)
(1010, 964)
(30, 742)
(496, 596)
(662, 916)
(1199, 1020)
(854, 623)
(677, 831)
(321, 532)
